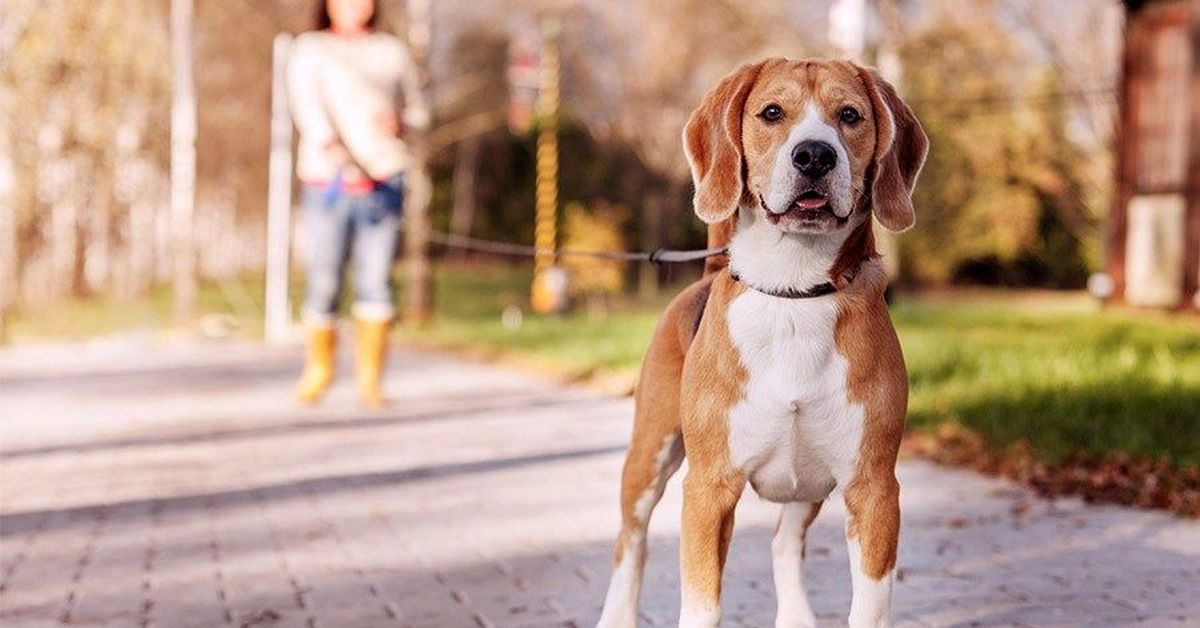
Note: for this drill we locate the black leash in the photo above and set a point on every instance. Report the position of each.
(661, 256)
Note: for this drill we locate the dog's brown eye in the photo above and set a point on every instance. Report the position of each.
(771, 113)
(849, 115)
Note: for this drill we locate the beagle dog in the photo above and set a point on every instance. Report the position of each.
(781, 367)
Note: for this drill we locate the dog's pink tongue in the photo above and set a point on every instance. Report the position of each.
(810, 202)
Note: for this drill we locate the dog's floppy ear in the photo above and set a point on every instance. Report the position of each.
(900, 149)
(712, 141)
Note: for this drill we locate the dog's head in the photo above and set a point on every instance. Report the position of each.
(808, 144)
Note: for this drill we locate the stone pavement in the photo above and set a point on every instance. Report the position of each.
(176, 486)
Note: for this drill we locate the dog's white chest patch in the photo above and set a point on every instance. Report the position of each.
(795, 434)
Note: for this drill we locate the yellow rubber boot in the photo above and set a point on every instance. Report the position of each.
(371, 338)
(318, 364)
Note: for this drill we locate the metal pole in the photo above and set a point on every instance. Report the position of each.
(546, 222)
(277, 323)
(183, 160)
(887, 61)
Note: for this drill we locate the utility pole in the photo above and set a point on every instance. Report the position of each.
(545, 282)
(418, 270)
(183, 160)
(887, 52)
(850, 34)
(277, 314)
(887, 60)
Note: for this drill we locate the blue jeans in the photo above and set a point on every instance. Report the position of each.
(339, 226)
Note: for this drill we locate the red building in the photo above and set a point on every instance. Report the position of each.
(1154, 246)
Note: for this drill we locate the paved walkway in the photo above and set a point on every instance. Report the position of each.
(180, 487)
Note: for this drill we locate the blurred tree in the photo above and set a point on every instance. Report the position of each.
(1081, 43)
(663, 56)
(471, 103)
(1013, 191)
(1002, 171)
(597, 229)
(89, 80)
(12, 27)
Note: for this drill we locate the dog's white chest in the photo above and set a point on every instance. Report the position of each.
(795, 434)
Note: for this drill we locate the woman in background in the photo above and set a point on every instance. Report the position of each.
(347, 82)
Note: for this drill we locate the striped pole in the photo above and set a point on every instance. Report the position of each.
(546, 223)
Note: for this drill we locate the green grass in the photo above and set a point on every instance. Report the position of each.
(1064, 381)
(240, 300)
(576, 345)
(1050, 371)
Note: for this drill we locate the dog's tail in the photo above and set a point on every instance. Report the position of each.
(719, 235)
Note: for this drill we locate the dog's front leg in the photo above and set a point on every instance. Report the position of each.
(709, 502)
(872, 534)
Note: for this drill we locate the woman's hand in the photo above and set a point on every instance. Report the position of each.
(388, 123)
(335, 152)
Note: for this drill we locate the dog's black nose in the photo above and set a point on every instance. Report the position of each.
(814, 158)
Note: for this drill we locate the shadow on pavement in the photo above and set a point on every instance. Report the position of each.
(213, 436)
(12, 524)
(140, 379)
(563, 584)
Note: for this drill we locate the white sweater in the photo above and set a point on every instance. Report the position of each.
(339, 87)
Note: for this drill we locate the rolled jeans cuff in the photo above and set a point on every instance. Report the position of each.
(312, 318)
(371, 311)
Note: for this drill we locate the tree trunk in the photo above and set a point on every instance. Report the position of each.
(651, 237)
(462, 213)
(79, 255)
(9, 272)
(419, 272)
(141, 244)
(64, 248)
(1189, 292)
(97, 249)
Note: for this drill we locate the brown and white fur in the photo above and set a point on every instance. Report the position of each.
(801, 397)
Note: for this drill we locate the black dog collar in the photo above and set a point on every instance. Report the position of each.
(818, 290)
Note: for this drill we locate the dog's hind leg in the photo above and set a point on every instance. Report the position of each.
(653, 458)
(787, 554)
(655, 453)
